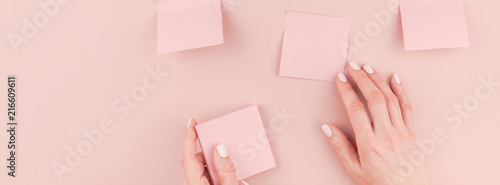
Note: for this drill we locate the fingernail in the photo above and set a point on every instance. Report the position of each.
(245, 183)
(342, 77)
(327, 130)
(189, 122)
(221, 149)
(396, 78)
(354, 65)
(368, 69)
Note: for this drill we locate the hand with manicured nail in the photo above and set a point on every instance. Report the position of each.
(386, 152)
(193, 164)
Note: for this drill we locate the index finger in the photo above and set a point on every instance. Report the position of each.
(360, 120)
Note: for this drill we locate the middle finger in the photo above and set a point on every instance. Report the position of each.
(374, 97)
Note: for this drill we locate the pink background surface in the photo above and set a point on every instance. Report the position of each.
(92, 52)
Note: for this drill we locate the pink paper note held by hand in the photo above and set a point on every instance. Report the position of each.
(244, 136)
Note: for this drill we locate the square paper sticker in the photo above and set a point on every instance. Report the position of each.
(188, 24)
(244, 136)
(433, 24)
(314, 46)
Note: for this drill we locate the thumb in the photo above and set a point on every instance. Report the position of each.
(343, 147)
(224, 167)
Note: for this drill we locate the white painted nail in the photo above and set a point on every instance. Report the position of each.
(342, 77)
(368, 69)
(354, 65)
(245, 183)
(221, 149)
(189, 122)
(396, 78)
(327, 130)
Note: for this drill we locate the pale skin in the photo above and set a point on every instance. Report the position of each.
(384, 133)
(384, 143)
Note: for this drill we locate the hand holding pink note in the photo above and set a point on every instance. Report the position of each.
(244, 136)
(433, 24)
(314, 46)
(188, 24)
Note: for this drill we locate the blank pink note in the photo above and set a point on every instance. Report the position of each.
(188, 24)
(433, 24)
(244, 135)
(314, 46)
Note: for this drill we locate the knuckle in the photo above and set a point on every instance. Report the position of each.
(407, 107)
(376, 96)
(392, 99)
(339, 147)
(369, 145)
(357, 106)
(389, 141)
(229, 168)
(412, 135)
(378, 148)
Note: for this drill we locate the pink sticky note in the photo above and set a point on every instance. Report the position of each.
(244, 135)
(314, 46)
(188, 24)
(433, 24)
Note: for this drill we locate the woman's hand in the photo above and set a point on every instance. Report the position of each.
(193, 164)
(384, 145)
